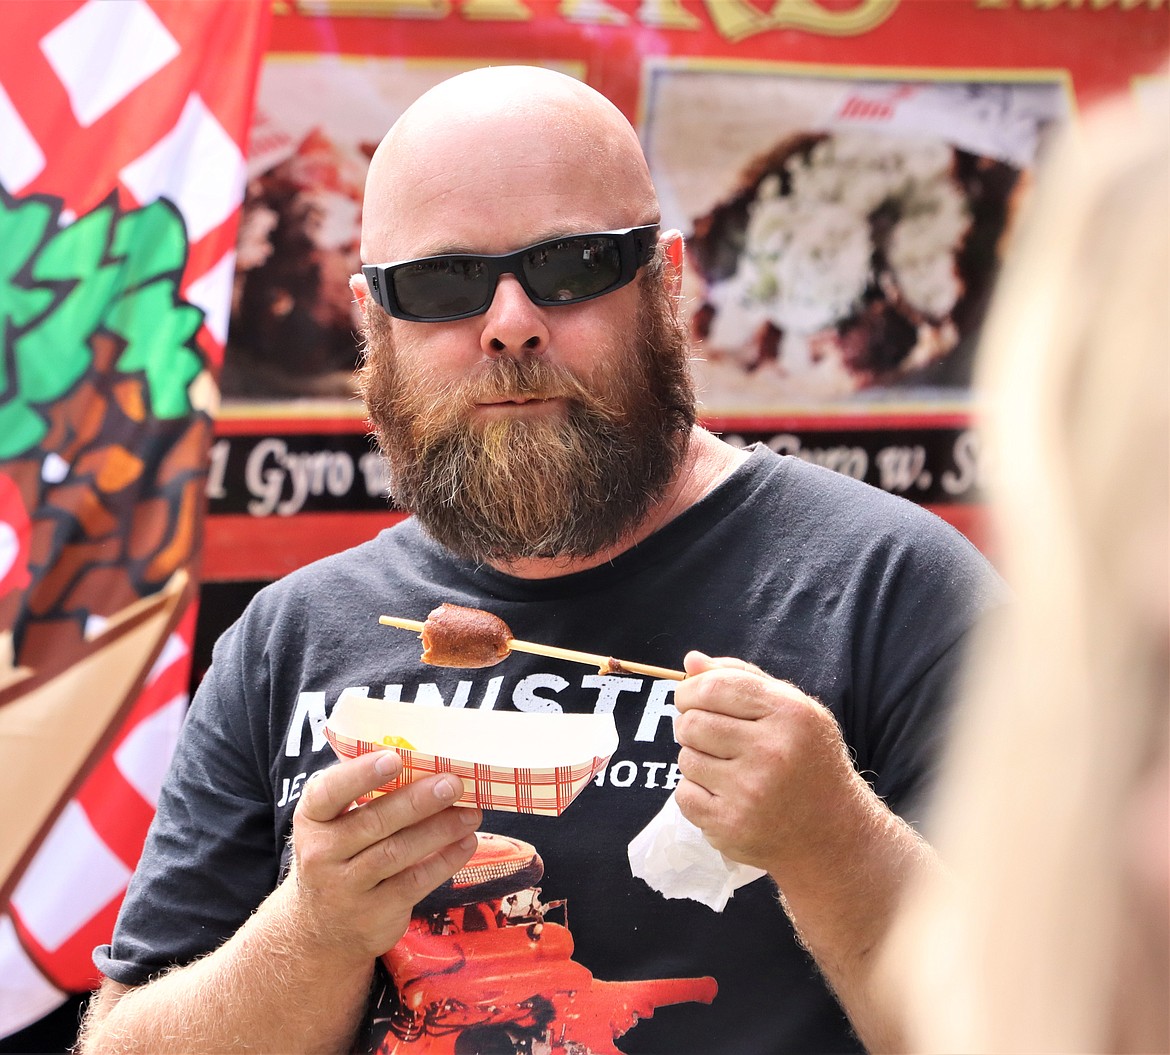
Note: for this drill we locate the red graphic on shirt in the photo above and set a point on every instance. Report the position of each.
(481, 969)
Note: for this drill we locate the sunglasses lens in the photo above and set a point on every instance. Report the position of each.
(559, 271)
(443, 287)
(573, 268)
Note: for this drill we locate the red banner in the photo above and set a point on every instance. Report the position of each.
(847, 174)
(121, 176)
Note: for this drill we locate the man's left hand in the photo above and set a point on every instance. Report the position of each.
(764, 764)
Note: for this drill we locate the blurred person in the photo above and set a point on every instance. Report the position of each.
(1050, 931)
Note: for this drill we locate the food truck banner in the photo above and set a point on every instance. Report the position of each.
(847, 174)
(123, 130)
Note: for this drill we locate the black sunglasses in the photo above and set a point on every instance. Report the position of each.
(564, 270)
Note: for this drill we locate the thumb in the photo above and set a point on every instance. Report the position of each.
(695, 662)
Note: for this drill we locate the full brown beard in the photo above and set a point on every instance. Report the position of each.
(551, 486)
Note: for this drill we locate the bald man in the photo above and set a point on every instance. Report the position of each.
(526, 373)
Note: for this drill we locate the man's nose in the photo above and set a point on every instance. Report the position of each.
(513, 325)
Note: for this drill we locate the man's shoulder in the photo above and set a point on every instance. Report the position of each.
(819, 483)
(828, 493)
(820, 509)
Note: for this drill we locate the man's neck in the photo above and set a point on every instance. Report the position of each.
(706, 463)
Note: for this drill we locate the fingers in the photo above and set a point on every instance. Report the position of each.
(711, 734)
(359, 907)
(433, 857)
(397, 831)
(697, 804)
(730, 686)
(694, 801)
(330, 792)
(695, 662)
(735, 721)
(359, 870)
(327, 800)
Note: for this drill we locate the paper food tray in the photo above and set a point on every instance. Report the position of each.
(509, 760)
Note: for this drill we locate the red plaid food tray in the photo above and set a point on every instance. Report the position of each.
(490, 783)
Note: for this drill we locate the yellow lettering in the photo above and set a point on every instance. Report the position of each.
(735, 20)
(496, 11)
(377, 8)
(1094, 5)
(593, 13)
(667, 14)
(808, 14)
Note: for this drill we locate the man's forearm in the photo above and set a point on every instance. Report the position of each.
(842, 901)
(769, 779)
(265, 989)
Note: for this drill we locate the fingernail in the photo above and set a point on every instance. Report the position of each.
(388, 762)
(695, 658)
(449, 788)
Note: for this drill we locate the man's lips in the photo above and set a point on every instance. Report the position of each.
(517, 401)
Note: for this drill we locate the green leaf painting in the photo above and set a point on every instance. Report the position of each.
(111, 272)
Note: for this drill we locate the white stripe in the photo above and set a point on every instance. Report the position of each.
(212, 292)
(73, 876)
(173, 651)
(26, 995)
(145, 755)
(103, 51)
(196, 165)
(22, 159)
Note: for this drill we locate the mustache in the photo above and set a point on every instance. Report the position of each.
(531, 377)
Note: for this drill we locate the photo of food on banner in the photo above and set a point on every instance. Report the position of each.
(294, 324)
(843, 236)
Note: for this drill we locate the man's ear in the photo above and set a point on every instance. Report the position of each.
(360, 289)
(672, 247)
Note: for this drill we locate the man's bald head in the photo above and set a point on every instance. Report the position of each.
(501, 142)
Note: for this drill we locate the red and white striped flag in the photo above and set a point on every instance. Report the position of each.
(123, 129)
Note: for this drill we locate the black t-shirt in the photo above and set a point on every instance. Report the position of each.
(860, 598)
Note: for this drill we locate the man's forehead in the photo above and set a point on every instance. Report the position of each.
(446, 203)
(499, 159)
(486, 224)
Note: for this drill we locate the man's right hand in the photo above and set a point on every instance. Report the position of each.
(358, 871)
(357, 874)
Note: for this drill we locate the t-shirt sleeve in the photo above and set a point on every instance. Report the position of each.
(931, 595)
(209, 857)
(906, 745)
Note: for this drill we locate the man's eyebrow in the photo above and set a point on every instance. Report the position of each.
(444, 249)
(462, 249)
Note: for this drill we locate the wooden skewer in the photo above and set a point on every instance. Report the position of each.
(604, 664)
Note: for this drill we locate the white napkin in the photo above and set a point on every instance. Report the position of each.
(672, 857)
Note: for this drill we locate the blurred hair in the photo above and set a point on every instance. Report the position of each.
(1047, 934)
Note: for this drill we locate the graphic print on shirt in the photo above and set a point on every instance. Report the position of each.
(482, 969)
(486, 964)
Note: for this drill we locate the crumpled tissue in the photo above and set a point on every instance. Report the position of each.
(671, 856)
